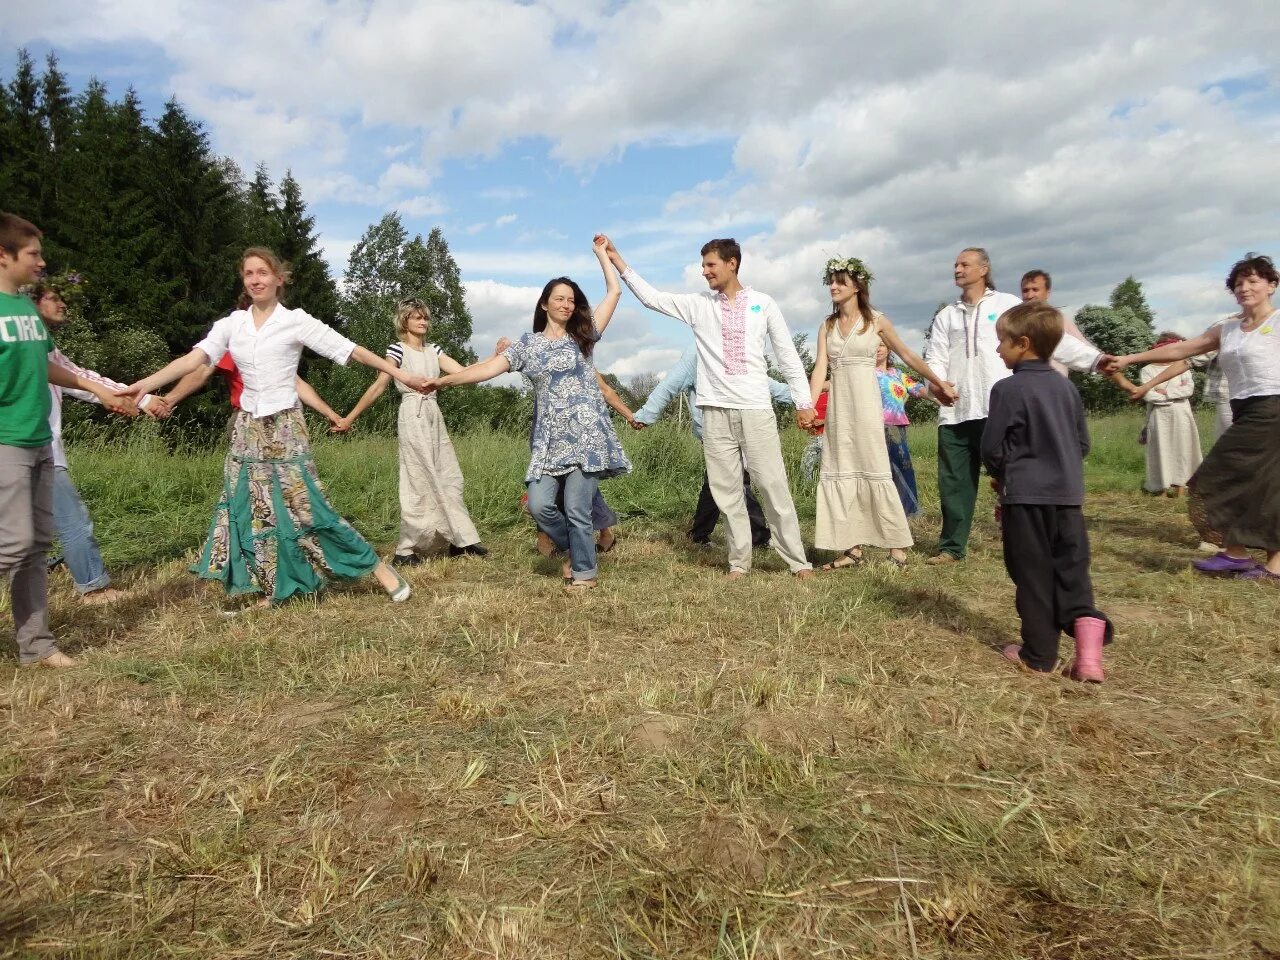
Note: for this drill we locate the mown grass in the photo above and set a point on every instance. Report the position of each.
(674, 766)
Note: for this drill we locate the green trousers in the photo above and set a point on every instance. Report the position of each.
(959, 466)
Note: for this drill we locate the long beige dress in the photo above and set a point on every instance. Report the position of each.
(857, 502)
(432, 511)
(1173, 438)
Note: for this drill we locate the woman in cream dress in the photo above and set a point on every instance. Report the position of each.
(858, 504)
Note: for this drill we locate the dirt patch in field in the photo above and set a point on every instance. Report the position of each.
(653, 733)
(298, 716)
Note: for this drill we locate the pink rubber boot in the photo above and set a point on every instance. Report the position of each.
(1089, 633)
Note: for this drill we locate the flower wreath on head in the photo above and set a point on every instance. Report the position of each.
(850, 265)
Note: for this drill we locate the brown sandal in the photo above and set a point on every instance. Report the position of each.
(855, 560)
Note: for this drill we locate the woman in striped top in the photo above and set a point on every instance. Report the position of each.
(432, 511)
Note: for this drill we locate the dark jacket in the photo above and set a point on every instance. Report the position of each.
(1035, 438)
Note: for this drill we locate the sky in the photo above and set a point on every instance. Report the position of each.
(1095, 140)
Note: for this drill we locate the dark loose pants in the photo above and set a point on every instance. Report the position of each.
(959, 466)
(706, 515)
(1046, 551)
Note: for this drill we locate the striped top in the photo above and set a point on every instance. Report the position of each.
(395, 352)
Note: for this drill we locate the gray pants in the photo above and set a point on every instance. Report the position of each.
(732, 440)
(26, 533)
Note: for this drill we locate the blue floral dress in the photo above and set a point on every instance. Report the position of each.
(571, 428)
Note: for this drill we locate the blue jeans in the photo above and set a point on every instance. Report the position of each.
(571, 528)
(75, 533)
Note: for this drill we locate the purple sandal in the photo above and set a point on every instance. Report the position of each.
(1261, 574)
(1224, 565)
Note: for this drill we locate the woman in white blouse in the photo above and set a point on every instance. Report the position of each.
(273, 531)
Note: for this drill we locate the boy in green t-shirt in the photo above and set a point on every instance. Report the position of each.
(26, 457)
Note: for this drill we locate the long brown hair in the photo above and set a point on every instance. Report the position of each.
(864, 303)
(580, 326)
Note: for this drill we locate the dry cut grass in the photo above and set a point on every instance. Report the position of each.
(674, 766)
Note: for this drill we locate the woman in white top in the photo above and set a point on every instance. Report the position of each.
(1235, 495)
(1172, 436)
(432, 511)
(273, 531)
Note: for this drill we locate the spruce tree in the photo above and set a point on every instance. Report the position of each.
(262, 213)
(197, 207)
(24, 146)
(312, 289)
(56, 122)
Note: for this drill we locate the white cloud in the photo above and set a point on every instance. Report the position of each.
(422, 205)
(505, 220)
(1091, 139)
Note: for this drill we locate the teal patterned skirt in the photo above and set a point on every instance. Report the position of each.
(273, 531)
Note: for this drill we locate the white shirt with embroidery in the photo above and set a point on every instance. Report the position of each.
(56, 392)
(962, 349)
(730, 335)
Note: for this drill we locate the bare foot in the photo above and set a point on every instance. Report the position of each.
(735, 575)
(566, 571)
(56, 661)
(606, 541)
(105, 595)
(804, 574)
(544, 544)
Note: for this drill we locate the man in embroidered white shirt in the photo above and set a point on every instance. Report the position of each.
(962, 349)
(730, 326)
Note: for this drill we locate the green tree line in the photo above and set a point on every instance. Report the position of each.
(144, 225)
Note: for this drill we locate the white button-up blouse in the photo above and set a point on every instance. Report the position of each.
(268, 356)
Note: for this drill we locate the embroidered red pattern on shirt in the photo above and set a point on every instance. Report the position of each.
(733, 332)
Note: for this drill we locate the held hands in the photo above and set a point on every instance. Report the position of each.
(417, 382)
(340, 424)
(805, 419)
(123, 402)
(501, 345)
(946, 395)
(636, 424)
(1108, 364)
(604, 247)
(157, 408)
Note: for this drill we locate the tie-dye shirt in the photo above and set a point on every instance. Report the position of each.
(895, 387)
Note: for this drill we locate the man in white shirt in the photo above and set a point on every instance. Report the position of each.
(730, 326)
(80, 550)
(1038, 285)
(962, 350)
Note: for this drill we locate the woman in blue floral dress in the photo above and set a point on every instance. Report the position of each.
(574, 445)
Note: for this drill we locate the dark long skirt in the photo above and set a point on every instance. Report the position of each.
(1235, 495)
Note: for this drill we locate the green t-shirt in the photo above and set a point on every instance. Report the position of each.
(24, 374)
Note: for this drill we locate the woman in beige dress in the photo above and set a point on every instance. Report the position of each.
(858, 504)
(1173, 438)
(432, 511)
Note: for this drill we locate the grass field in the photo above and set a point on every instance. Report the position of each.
(673, 766)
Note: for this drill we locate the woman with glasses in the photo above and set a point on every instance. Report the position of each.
(432, 511)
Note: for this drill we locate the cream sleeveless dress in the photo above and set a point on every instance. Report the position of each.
(432, 511)
(858, 504)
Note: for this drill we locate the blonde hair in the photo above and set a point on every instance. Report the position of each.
(406, 309)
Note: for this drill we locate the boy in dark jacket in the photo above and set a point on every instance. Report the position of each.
(1033, 446)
